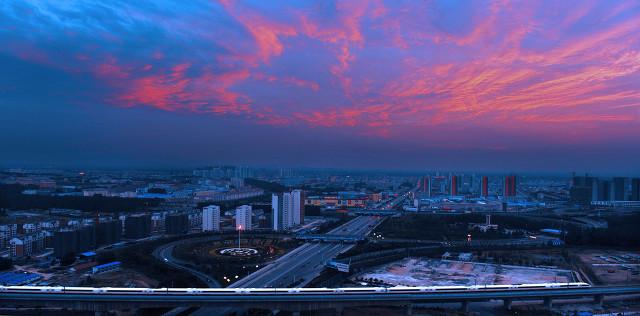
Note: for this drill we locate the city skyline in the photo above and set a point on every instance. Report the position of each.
(487, 86)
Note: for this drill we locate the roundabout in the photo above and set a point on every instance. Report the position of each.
(238, 252)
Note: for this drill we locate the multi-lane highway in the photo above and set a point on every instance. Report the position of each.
(307, 261)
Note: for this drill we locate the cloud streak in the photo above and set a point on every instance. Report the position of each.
(373, 68)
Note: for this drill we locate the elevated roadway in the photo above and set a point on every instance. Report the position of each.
(295, 300)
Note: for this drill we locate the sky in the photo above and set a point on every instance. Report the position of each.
(402, 85)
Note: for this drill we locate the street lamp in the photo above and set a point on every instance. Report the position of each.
(239, 229)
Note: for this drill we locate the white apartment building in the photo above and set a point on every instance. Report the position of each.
(287, 210)
(211, 218)
(243, 217)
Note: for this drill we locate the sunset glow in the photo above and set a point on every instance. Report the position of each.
(427, 75)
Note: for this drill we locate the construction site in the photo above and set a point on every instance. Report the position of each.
(438, 272)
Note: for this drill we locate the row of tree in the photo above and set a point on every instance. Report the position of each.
(11, 197)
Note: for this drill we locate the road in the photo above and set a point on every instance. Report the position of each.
(306, 262)
(302, 264)
(164, 253)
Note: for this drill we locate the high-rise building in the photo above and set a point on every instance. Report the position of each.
(86, 239)
(73, 241)
(243, 217)
(108, 232)
(509, 186)
(484, 186)
(194, 219)
(297, 199)
(583, 189)
(439, 185)
(287, 210)
(211, 218)
(64, 242)
(137, 226)
(278, 213)
(237, 182)
(7, 232)
(28, 245)
(635, 189)
(157, 222)
(618, 188)
(177, 224)
(453, 185)
(425, 186)
(602, 190)
(17, 248)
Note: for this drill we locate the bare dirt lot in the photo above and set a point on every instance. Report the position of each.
(612, 266)
(426, 272)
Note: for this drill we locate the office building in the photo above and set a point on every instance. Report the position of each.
(484, 186)
(211, 218)
(509, 186)
(425, 186)
(454, 185)
(243, 217)
(287, 210)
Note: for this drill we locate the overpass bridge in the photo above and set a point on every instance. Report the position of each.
(373, 212)
(478, 243)
(298, 299)
(331, 238)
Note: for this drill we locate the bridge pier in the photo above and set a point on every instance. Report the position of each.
(548, 303)
(409, 310)
(507, 303)
(598, 299)
(465, 306)
(339, 311)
